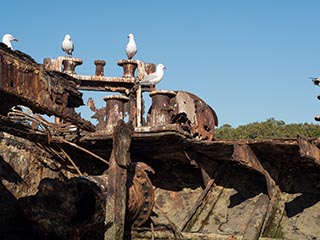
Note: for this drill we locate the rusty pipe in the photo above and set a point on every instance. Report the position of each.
(99, 67)
(114, 110)
(160, 109)
(129, 67)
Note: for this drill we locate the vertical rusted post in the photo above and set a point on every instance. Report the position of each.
(117, 193)
(160, 110)
(99, 67)
(130, 108)
(115, 110)
(69, 65)
(139, 107)
(129, 67)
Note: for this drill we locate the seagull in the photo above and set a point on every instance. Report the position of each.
(316, 81)
(131, 49)
(153, 78)
(67, 45)
(7, 39)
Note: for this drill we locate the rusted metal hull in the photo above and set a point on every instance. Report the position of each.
(164, 178)
(263, 189)
(24, 82)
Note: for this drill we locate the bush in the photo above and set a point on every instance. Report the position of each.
(271, 128)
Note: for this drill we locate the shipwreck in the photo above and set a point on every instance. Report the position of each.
(158, 174)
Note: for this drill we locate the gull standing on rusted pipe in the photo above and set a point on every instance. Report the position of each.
(7, 39)
(67, 45)
(131, 48)
(154, 78)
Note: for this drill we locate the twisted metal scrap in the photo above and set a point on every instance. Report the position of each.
(37, 123)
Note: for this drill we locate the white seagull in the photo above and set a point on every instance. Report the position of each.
(7, 39)
(67, 45)
(131, 48)
(154, 78)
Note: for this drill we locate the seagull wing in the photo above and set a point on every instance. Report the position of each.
(149, 79)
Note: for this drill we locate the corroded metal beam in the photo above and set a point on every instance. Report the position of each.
(117, 191)
(246, 157)
(309, 151)
(198, 207)
(25, 82)
(254, 226)
(193, 113)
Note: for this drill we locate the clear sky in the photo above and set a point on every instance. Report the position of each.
(249, 60)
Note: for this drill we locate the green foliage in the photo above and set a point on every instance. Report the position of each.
(269, 129)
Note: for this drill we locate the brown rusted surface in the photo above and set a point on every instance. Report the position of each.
(70, 64)
(235, 192)
(116, 198)
(245, 156)
(165, 178)
(97, 82)
(309, 151)
(192, 114)
(255, 223)
(115, 110)
(198, 207)
(99, 114)
(141, 194)
(160, 113)
(131, 108)
(179, 181)
(103, 83)
(24, 82)
(123, 84)
(99, 67)
(79, 209)
(129, 67)
(199, 117)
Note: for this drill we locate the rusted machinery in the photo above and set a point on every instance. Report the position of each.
(178, 110)
(160, 175)
(30, 89)
(25, 82)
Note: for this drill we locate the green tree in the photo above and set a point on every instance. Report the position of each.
(269, 129)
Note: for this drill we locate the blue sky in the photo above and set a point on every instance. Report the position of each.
(249, 60)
